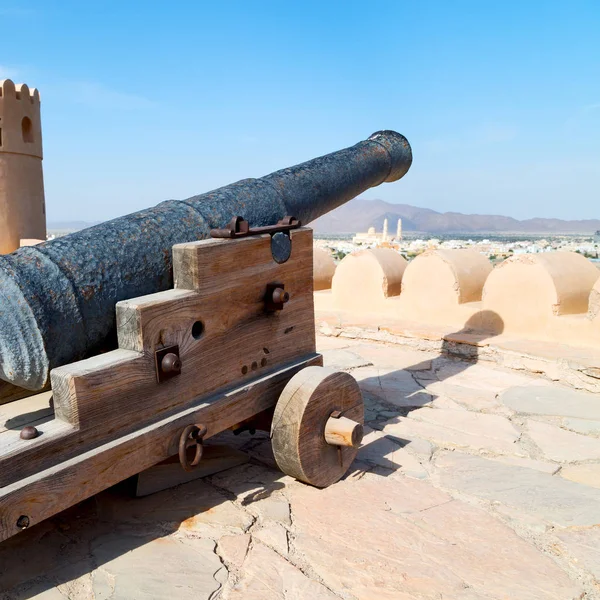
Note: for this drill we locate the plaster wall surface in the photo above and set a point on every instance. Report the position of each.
(554, 297)
(364, 280)
(323, 269)
(22, 205)
(439, 285)
(594, 306)
(530, 291)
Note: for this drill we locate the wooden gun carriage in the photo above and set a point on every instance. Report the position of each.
(213, 335)
(231, 346)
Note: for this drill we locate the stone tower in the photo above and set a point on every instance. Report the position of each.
(399, 231)
(22, 205)
(384, 237)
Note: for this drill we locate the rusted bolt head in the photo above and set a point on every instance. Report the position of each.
(171, 363)
(280, 296)
(29, 432)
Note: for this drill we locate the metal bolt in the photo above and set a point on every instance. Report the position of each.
(29, 433)
(280, 296)
(171, 363)
(23, 522)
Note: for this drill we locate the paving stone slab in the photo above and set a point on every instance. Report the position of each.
(584, 426)
(544, 496)
(273, 535)
(472, 398)
(194, 506)
(155, 569)
(586, 474)
(584, 545)
(393, 357)
(401, 539)
(391, 453)
(343, 359)
(528, 463)
(396, 387)
(273, 509)
(494, 426)
(267, 576)
(561, 445)
(552, 400)
(483, 377)
(251, 483)
(233, 548)
(329, 342)
(457, 429)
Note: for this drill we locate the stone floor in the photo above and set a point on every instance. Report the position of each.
(473, 483)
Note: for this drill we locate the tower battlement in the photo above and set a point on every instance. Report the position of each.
(22, 205)
(20, 120)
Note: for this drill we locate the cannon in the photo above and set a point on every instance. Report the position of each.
(164, 328)
(57, 299)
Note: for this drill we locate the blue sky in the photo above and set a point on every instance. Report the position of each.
(144, 101)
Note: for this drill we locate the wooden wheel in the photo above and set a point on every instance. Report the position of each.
(317, 425)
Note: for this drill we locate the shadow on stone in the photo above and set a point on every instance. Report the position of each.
(395, 394)
(114, 527)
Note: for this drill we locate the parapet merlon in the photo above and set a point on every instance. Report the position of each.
(19, 91)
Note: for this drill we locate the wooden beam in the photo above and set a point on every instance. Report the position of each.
(48, 492)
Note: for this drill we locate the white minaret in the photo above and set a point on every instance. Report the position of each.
(384, 237)
(22, 206)
(399, 231)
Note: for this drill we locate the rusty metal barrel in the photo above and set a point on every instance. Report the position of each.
(57, 299)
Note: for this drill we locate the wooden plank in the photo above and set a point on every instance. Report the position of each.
(46, 493)
(61, 441)
(210, 267)
(10, 393)
(239, 337)
(20, 458)
(26, 411)
(168, 473)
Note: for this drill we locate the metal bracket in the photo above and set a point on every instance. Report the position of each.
(281, 243)
(238, 227)
(191, 435)
(167, 363)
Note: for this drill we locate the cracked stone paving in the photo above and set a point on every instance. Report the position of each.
(473, 483)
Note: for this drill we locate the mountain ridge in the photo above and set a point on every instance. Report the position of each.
(360, 214)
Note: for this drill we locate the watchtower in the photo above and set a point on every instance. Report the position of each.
(22, 205)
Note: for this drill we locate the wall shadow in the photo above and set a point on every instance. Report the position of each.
(460, 350)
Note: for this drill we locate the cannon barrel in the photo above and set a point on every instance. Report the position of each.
(57, 299)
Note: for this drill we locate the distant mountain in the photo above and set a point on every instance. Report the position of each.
(69, 225)
(359, 215)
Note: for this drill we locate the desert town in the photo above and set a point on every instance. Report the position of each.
(472, 472)
(497, 248)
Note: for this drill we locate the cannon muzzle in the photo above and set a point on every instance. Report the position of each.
(57, 299)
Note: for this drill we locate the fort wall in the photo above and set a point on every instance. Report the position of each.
(551, 297)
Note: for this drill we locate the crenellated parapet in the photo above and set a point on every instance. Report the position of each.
(363, 281)
(552, 296)
(531, 290)
(594, 307)
(441, 286)
(323, 269)
(22, 204)
(20, 120)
